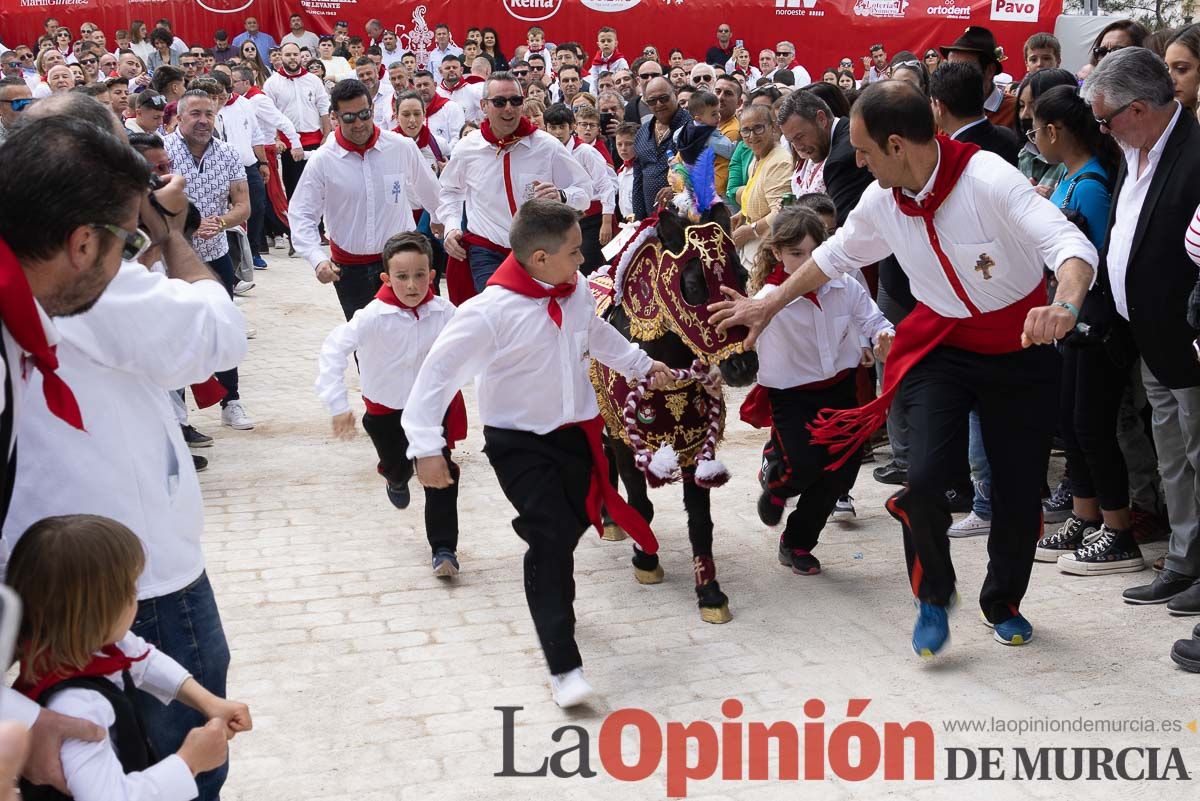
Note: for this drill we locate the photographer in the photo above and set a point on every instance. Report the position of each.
(147, 334)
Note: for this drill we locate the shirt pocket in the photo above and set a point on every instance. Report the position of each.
(579, 346)
(975, 261)
(394, 191)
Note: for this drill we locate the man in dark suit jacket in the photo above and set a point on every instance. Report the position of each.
(1151, 277)
(809, 125)
(956, 90)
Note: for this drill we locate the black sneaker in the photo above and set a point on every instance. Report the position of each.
(803, 563)
(1111, 551)
(1069, 536)
(1058, 507)
(1186, 603)
(398, 494)
(200, 463)
(960, 502)
(1186, 654)
(195, 439)
(1166, 585)
(891, 473)
(770, 509)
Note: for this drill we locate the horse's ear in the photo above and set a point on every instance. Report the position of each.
(671, 230)
(720, 215)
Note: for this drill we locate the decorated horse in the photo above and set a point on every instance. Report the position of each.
(656, 293)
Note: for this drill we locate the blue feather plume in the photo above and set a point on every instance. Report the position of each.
(704, 181)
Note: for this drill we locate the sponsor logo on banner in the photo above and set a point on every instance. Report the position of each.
(611, 6)
(797, 8)
(1016, 10)
(952, 9)
(224, 6)
(881, 8)
(532, 10)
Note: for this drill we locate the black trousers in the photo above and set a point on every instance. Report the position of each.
(794, 466)
(291, 169)
(357, 285)
(1013, 393)
(593, 256)
(1092, 388)
(225, 270)
(546, 478)
(441, 505)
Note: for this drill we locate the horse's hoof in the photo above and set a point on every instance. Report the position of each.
(716, 614)
(613, 532)
(654, 576)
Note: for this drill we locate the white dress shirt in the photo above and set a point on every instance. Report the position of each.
(804, 344)
(532, 375)
(437, 54)
(381, 104)
(475, 175)
(468, 97)
(239, 124)
(337, 68)
(1191, 239)
(271, 119)
(447, 123)
(390, 57)
(614, 66)
(302, 100)
(625, 191)
(93, 770)
(147, 334)
(365, 201)
(1129, 208)
(604, 180)
(391, 344)
(992, 211)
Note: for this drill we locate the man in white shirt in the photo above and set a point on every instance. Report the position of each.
(442, 47)
(466, 92)
(496, 169)
(300, 36)
(381, 92)
(365, 184)
(302, 98)
(443, 116)
(237, 124)
(596, 223)
(390, 49)
(973, 237)
(785, 55)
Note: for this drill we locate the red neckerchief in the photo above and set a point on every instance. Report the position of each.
(435, 105)
(779, 275)
(599, 60)
(626, 164)
(524, 129)
(111, 659)
(232, 98)
(388, 296)
(424, 139)
(472, 79)
(513, 277)
(451, 89)
(253, 91)
(291, 77)
(353, 148)
(18, 312)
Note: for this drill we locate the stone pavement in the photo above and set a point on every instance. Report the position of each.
(369, 679)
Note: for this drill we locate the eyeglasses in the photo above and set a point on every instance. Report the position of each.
(135, 243)
(520, 73)
(754, 130)
(723, 30)
(1106, 122)
(516, 101)
(88, 61)
(645, 76)
(1101, 52)
(658, 100)
(20, 104)
(705, 78)
(1031, 134)
(350, 116)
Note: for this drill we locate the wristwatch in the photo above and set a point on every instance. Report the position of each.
(562, 196)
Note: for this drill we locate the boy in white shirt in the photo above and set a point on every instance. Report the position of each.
(391, 336)
(529, 337)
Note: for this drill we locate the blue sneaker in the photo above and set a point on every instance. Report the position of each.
(445, 563)
(399, 495)
(1014, 631)
(932, 632)
(259, 262)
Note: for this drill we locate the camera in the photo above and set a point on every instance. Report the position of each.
(191, 222)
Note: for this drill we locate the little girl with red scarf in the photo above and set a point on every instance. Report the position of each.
(390, 338)
(77, 578)
(807, 357)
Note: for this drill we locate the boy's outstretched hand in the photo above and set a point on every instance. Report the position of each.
(433, 472)
(659, 375)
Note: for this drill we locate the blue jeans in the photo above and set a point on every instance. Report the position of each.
(981, 471)
(185, 626)
(258, 210)
(484, 262)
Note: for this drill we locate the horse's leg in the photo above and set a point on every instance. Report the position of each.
(612, 532)
(714, 604)
(646, 568)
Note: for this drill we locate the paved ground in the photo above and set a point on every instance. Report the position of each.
(371, 680)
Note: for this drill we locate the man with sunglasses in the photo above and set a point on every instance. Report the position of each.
(785, 59)
(15, 97)
(646, 70)
(537, 69)
(653, 142)
(364, 183)
(720, 53)
(496, 169)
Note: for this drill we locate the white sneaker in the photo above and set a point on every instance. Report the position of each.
(571, 688)
(234, 416)
(242, 287)
(280, 243)
(971, 526)
(843, 509)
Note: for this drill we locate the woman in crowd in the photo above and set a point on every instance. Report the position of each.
(162, 54)
(932, 60)
(1030, 161)
(491, 48)
(770, 178)
(534, 110)
(317, 67)
(1183, 60)
(741, 61)
(830, 76)
(62, 42)
(905, 67)
(139, 40)
(675, 58)
(846, 81)
(1115, 35)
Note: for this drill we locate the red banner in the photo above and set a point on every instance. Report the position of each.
(822, 30)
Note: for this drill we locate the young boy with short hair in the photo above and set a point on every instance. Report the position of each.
(535, 41)
(596, 224)
(390, 338)
(529, 337)
(607, 58)
(626, 154)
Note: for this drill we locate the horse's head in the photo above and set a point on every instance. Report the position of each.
(697, 260)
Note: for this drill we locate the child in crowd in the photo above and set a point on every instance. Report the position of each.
(534, 111)
(587, 128)
(607, 58)
(701, 133)
(535, 41)
(596, 224)
(77, 578)
(626, 132)
(529, 337)
(807, 358)
(391, 336)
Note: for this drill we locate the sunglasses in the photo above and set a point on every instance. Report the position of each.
(931, 54)
(658, 100)
(350, 116)
(26, 56)
(520, 73)
(87, 61)
(784, 53)
(134, 243)
(12, 65)
(1101, 52)
(516, 101)
(705, 78)
(20, 104)
(1106, 122)
(645, 76)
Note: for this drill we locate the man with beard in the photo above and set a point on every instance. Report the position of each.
(301, 97)
(464, 91)
(443, 116)
(808, 124)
